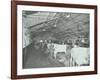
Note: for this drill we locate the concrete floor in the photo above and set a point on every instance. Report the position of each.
(37, 58)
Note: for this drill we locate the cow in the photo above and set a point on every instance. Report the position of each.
(80, 55)
(59, 48)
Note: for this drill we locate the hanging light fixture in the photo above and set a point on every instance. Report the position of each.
(68, 15)
(56, 21)
(43, 29)
(41, 40)
(55, 25)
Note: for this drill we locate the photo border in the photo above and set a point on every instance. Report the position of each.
(14, 38)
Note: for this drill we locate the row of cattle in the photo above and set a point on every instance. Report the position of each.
(78, 55)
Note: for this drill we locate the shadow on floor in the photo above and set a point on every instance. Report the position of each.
(37, 58)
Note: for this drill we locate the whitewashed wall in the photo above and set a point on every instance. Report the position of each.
(32, 20)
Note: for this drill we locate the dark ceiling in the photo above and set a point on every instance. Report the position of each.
(59, 25)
